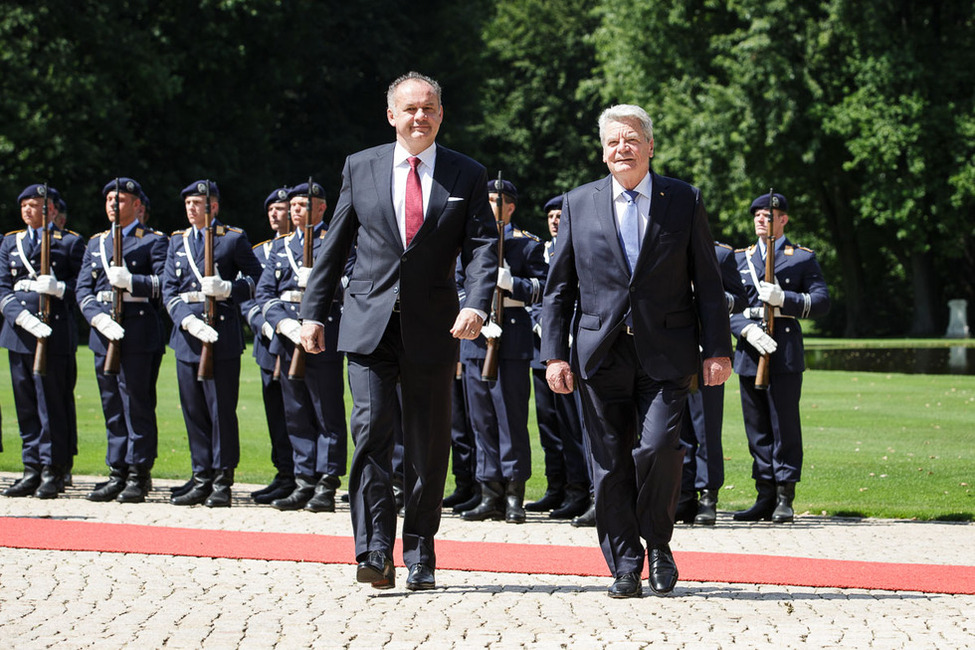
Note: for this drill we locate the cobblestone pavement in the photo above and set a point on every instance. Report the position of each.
(58, 599)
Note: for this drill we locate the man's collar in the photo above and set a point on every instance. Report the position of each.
(428, 156)
(644, 187)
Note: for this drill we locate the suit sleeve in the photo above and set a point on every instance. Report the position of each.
(479, 253)
(561, 293)
(712, 304)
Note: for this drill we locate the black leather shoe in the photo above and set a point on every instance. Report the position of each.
(553, 498)
(52, 483)
(198, 492)
(377, 569)
(686, 508)
(299, 497)
(707, 508)
(324, 498)
(586, 519)
(764, 504)
(137, 485)
(461, 494)
(180, 490)
(111, 488)
(575, 503)
(220, 496)
(26, 484)
(490, 506)
(663, 569)
(783, 513)
(471, 503)
(514, 509)
(279, 488)
(421, 578)
(626, 586)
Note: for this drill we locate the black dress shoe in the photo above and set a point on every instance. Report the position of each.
(420, 578)
(663, 569)
(377, 569)
(552, 499)
(25, 485)
(279, 488)
(626, 586)
(52, 483)
(586, 519)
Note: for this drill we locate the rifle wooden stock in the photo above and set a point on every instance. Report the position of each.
(489, 371)
(113, 355)
(44, 300)
(297, 370)
(276, 374)
(205, 369)
(768, 319)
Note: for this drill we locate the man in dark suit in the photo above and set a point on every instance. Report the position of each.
(410, 208)
(128, 396)
(636, 256)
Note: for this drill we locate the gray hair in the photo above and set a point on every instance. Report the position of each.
(410, 76)
(622, 112)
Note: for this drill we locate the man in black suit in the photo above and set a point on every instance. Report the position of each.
(409, 207)
(636, 254)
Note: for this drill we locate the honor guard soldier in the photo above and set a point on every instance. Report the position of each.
(498, 410)
(38, 312)
(209, 403)
(772, 414)
(559, 421)
(278, 211)
(703, 470)
(127, 386)
(314, 396)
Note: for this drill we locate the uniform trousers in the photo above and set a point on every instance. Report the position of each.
(129, 406)
(498, 412)
(277, 428)
(314, 408)
(704, 460)
(560, 431)
(773, 428)
(44, 409)
(210, 413)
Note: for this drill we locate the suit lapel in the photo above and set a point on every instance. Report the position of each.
(382, 176)
(659, 205)
(603, 207)
(444, 176)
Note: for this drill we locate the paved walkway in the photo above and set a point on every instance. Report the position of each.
(105, 600)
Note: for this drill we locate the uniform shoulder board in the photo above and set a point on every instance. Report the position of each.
(71, 232)
(256, 246)
(726, 246)
(518, 232)
(743, 250)
(178, 233)
(14, 232)
(789, 250)
(803, 248)
(220, 230)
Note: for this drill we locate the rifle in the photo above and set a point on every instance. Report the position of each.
(297, 370)
(44, 300)
(276, 375)
(113, 356)
(489, 371)
(768, 317)
(205, 369)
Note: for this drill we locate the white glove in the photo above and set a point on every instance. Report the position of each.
(303, 273)
(108, 327)
(198, 329)
(771, 294)
(491, 330)
(290, 328)
(267, 330)
(505, 281)
(48, 284)
(121, 277)
(758, 339)
(214, 285)
(33, 324)
(754, 313)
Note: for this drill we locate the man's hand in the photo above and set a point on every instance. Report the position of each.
(505, 281)
(32, 324)
(758, 339)
(467, 325)
(312, 337)
(771, 294)
(199, 329)
(291, 328)
(559, 376)
(303, 273)
(121, 277)
(214, 285)
(717, 370)
(108, 327)
(49, 285)
(267, 330)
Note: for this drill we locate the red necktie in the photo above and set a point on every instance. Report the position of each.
(414, 200)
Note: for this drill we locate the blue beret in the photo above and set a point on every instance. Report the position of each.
(36, 191)
(317, 191)
(145, 199)
(62, 206)
(199, 188)
(279, 195)
(507, 188)
(554, 203)
(126, 186)
(778, 202)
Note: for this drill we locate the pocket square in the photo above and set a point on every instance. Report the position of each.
(455, 198)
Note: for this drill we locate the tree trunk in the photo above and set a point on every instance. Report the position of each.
(925, 294)
(840, 218)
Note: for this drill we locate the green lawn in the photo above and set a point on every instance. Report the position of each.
(876, 444)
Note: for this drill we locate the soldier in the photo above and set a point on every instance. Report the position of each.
(278, 211)
(772, 416)
(498, 410)
(209, 405)
(314, 405)
(43, 401)
(129, 393)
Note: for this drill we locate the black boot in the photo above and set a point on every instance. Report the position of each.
(111, 488)
(491, 506)
(198, 492)
(784, 495)
(137, 485)
(282, 485)
(764, 504)
(463, 492)
(180, 490)
(553, 498)
(586, 519)
(300, 496)
(471, 503)
(220, 497)
(52, 483)
(686, 507)
(575, 503)
(514, 507)
(707, 508)
(26, 484)
(324, 498)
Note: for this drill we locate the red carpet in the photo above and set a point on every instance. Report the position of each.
(61, 535)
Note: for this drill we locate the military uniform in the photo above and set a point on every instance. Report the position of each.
(209, 406)
(128, 398)
(43, 403)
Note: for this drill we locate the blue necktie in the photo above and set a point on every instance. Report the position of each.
(630, 228)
